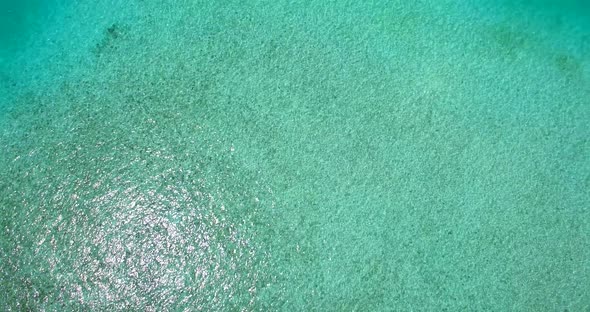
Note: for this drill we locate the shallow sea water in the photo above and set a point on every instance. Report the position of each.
(294, 156)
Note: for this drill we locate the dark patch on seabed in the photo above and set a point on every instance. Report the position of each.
(111, 36)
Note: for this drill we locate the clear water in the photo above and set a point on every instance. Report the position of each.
(17, 18)
(295, 156)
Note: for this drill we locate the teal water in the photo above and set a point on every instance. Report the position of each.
(295, 156)
(17, 18)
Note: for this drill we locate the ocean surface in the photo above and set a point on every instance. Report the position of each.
(279, 155)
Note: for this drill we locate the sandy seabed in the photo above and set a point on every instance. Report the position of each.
(283, 156)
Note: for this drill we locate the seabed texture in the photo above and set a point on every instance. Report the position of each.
(294, 155)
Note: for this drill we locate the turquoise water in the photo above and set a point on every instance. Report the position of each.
(295, 156)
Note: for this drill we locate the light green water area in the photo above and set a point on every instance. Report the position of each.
(278, 155)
